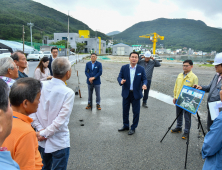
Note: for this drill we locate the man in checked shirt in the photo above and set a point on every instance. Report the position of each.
(149, 63)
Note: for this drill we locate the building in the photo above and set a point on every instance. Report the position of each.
(63, 36)
(137, 48)
(122, 49)
(92, 45)
(95, 45)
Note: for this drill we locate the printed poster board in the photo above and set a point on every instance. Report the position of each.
(190, 99)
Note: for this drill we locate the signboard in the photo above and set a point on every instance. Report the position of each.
(190, 99)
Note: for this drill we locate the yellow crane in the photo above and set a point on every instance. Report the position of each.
(154, 38)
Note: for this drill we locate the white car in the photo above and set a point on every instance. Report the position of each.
(72, 53)
(34, 55)
(47, 54)
(4, 53)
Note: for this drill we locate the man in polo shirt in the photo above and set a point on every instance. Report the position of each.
(20, 60)
(187, 78)
(6, 161)
(22, 142)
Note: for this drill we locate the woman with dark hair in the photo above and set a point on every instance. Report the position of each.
(42, 71)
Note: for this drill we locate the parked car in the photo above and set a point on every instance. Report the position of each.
(47, 54)
(4, 53)
(72, 53)
(35, 55)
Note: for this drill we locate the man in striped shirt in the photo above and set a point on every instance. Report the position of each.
(149, 63)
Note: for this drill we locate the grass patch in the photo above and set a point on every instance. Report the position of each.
(205, 65)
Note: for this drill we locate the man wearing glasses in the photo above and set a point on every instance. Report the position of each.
(54, 52)
(214, 87)
(187, 78)
(93, 71)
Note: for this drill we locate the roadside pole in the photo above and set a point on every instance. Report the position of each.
(23, 35)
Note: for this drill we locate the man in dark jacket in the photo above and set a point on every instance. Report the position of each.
(54, 51)
(148, 64)
(93, 72)
(214, 87)
(132, 78)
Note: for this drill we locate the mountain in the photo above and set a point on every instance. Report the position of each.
(113, 33)
(178, 33)
(15, 13)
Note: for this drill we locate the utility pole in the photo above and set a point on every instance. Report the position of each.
(23, 35)
(68, 37)
(31, 25)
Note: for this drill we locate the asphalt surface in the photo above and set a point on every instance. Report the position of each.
(99, 145)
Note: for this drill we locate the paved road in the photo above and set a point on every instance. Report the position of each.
(98, 144)
(72, 59)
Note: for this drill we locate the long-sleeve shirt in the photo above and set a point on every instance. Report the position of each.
(149, 66)
(55, 107)
(214, 89)
(23, 143)
(212, 146)
(188, 80)
(40, 75)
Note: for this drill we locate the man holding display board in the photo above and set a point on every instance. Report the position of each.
(187, 78)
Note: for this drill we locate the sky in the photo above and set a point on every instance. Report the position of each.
(117, 15)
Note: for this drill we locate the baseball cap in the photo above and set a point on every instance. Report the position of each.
(147, 54)
(218, 59)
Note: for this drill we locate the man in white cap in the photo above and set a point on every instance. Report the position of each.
(214, 87)
(148, 64)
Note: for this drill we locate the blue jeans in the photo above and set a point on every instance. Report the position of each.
(57, 160)
(90, 93)
(146, 92)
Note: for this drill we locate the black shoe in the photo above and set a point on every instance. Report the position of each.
(145, 105)
(176, 130)
(185, 135)
(131, 132)
(123, 129)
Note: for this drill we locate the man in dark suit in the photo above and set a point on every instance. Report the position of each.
(132, 78)
(93, 72)
(54, 51)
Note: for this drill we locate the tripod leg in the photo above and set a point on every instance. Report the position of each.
(200, 123)
(188, 137)
(171, 125)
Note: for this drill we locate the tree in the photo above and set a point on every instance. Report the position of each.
(61, 42)
(80, 46)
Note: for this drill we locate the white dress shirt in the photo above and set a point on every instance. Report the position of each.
(132, 75)
(55, 107)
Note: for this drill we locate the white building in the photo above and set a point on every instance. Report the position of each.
(122, 49)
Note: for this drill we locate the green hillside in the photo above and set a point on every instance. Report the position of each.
(178, 33)
(15, 13)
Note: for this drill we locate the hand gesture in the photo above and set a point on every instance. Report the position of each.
(197, 86)
(144, 87)
(152, 58)
(123, 81)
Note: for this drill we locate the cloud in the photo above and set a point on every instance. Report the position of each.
(209, 8)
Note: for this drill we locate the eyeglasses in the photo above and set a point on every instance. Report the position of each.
(186, 65)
